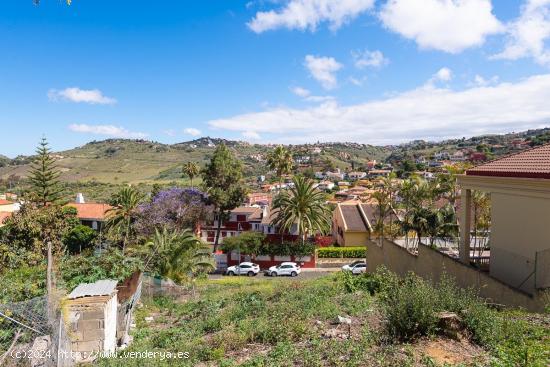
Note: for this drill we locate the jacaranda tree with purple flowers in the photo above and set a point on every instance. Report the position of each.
(174, 208)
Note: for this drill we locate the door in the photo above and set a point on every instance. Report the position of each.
(244, 269)
(286, 269)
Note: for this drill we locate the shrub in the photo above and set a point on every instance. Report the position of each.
(409, 309)
(79, 238)
(23, 283)
(89, 268)
(341, 252)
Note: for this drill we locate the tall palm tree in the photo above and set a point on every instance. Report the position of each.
(280, 160)
(121, 217)
(383, 209)
(191, 170)
(304, 206)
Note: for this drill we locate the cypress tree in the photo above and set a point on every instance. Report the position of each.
(44, 176)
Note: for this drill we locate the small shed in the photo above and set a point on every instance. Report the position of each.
(92, 319)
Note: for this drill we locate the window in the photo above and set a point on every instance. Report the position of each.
(245, 266)
(241, 218)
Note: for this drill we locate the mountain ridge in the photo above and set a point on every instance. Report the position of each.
(117, 161)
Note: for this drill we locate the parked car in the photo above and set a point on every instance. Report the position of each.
(244, 268)
(286, 268)
(356, 267)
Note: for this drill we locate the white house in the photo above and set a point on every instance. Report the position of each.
(356, 175)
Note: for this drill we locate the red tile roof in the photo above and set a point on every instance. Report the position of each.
(532, 163)
(5, 202)
(91, 210)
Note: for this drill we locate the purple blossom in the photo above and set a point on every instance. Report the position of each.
(177, 208)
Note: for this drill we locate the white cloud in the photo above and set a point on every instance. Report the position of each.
(77, 95)
(483, 82)
(363, 59)
(422, 113)
(357, 81)
(192, 131)
(528, 34)
(319, 99)
(300, 92)
(306, 95)
(251, 135)
(107, 130)
(308, 14)
(323, 69)
(446, 25)
(444, 75)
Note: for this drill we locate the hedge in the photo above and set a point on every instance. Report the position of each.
(341, 252)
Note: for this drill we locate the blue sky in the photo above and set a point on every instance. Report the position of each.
(289, 71)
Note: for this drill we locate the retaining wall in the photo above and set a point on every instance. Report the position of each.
(432, 264)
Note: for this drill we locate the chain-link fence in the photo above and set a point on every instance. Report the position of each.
(29, 336)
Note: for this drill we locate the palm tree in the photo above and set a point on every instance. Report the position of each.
(121, 217)
(304, 206)
(414, 193)
(481, 208)
(280, 160)
(178, 255)
(191, 169)
(383, 209)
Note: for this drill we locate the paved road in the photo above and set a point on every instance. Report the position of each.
(304, 275)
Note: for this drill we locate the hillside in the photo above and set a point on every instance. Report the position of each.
(116, 161)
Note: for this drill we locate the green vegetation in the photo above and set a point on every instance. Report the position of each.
(342, 252)
(90, 267)
(191, 170)
(25, 282)
(255, 243)
(222, 178)
(279, 323)
(280, 160)
(304, 207)
(123, 215)
(44, 176)
(178, 255)
(80, 238)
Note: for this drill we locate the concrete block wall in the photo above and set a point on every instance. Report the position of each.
(92, 326)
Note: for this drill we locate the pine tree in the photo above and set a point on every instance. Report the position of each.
(44, 176)
(222, 179)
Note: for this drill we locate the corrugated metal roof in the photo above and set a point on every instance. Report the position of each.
(531, 163)
(103, 287)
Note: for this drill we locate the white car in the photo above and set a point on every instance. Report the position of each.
(356, 267)
(244, 268)
(286, 268)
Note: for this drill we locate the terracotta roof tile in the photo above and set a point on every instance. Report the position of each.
(5, 202)
(531, 163)
(91, 210)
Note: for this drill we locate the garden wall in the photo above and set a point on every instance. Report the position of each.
(266, 261)
(432, 264)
